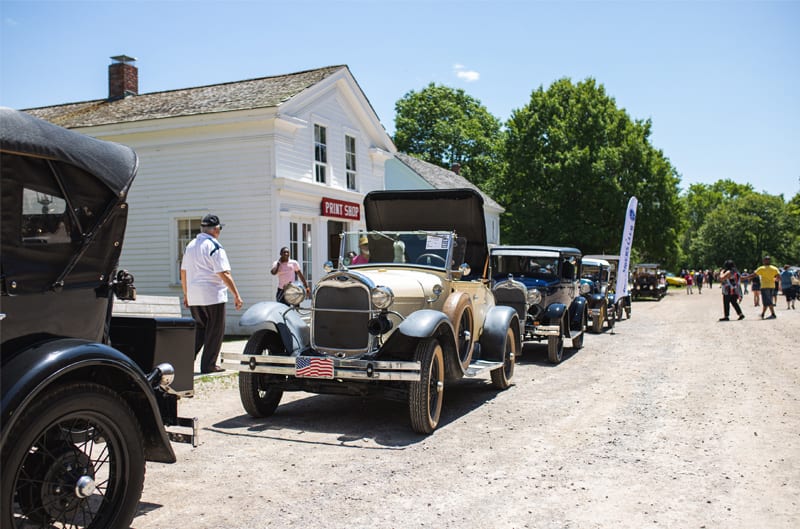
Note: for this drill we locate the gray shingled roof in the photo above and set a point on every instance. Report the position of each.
(264, 92)
(441, 178)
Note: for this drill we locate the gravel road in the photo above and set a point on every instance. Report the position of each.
(674, 420)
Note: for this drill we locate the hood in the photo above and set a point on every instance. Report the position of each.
(410, 287)
(459, 210)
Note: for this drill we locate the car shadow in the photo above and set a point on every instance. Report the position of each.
(357, 419)
(535, 353)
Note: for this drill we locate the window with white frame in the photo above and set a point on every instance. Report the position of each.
(350, 161)
(320, 153)
(300, 247)
(187, 229)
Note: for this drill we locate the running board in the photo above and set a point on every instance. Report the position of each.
(574, 334)
(481, 366)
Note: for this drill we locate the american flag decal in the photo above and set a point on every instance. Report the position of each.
(312, 367)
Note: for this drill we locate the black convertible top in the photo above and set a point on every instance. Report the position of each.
(434, 210)
(113, 164)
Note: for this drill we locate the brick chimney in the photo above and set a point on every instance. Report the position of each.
(456, 168)
(123, 77)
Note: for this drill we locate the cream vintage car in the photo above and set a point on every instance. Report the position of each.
(416, 316)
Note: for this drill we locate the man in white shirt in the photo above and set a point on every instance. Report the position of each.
(206, 278)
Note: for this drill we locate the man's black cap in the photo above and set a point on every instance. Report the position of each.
(211, 221)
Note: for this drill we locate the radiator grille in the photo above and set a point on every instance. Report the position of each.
(340, 321)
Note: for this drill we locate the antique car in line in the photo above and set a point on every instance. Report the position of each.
(595, 287)
(402, 323)
(619, 303)
(79, 417)
(541, 284)
(649, 281)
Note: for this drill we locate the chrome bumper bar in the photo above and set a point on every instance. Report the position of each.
(343, 368)
(547, 330)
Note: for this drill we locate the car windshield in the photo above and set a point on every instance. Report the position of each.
(425, 248)
(594, 272)
(524, 266)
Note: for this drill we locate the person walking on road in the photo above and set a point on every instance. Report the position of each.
(767, 275)
(287, 271)
(789, 290)
(698, 280)
(205, 280)
(731, 293)
(689, 277)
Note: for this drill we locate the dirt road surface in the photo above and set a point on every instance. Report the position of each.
(674, 420)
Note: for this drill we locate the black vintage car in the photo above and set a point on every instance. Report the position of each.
(619, 301)
(541, 284)
(79, 417)
(595, 287)
(649, 281)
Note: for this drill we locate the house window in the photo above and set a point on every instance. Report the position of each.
(350, 161)
(188, 228)
(320, 153)
(300, 247)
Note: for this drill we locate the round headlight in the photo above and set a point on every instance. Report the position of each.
(534, 297)
(585, 288)
(294, 294)
(382, 297)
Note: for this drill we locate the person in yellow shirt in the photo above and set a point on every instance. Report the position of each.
(768, 275)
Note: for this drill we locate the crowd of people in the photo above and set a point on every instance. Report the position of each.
(767, 283)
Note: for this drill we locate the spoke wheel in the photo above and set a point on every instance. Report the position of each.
(77, 461)
(501, 378)
(425, 396)
(555, 346)
(458, 309)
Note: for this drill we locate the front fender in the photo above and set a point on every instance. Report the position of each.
(38, 367)
(554, 313)
(424, 323)
(495, 327)
(576, 312)
(277, 317)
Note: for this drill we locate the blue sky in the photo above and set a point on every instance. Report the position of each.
(719, 80)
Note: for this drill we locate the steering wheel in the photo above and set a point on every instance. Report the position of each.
(428, 257)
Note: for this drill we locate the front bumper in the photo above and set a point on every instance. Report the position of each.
(343, 368)
(547, 330)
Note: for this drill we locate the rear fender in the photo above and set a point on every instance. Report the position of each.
(280, 319)
(34, 370)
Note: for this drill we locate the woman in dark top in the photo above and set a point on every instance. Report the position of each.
(729, 280)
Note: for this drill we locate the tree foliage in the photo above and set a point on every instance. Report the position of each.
(445, 126)
(573, 161)
(739, 224)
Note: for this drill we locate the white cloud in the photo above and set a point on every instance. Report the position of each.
(464, 74)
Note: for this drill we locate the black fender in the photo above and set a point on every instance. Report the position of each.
(576, 311)
(283, 320)
(32, 371)
(495, 326)
(597, 300)
(429, 323)
(554, 313)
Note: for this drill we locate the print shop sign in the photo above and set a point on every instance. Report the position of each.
(339, 208)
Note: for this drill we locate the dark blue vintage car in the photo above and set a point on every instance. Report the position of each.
(541, 284)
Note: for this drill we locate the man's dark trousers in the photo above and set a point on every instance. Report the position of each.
(209, 331)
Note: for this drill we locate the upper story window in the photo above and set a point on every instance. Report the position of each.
(320, 154)
(350, 161)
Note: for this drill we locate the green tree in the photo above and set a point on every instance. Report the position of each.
(573, 161)
(445, 126)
